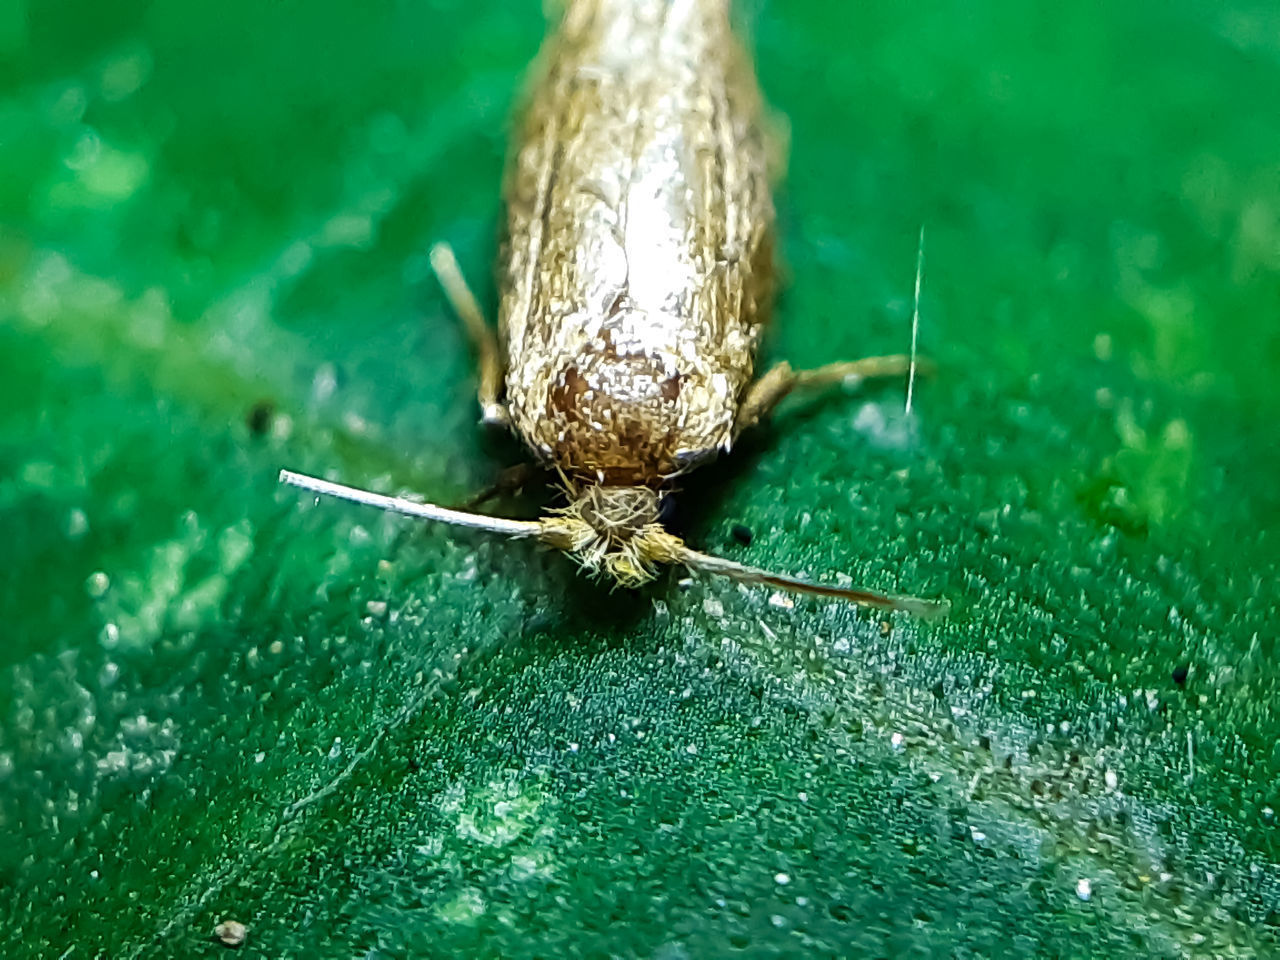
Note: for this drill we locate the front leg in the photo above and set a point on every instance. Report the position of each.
(766, 392)
(488, 350)
(511, 480)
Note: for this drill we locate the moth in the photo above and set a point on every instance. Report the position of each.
(636, 276)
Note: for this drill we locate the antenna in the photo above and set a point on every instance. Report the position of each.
(927, 609)
(424, 511)
(915, 320)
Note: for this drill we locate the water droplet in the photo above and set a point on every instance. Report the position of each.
(97, 584)
(782, 601)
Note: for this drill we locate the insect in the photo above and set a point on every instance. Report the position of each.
(636, 276)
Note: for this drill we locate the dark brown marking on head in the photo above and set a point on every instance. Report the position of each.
(670, 388)
(609, 348)
(634, 438)
(566, 395)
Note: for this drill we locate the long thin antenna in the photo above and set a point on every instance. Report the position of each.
(927, 609)
(424, 511)
(915, 320)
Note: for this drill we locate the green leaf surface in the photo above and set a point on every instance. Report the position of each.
(359, 736)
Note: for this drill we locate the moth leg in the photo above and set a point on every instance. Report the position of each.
(777, 145)
(483, 337)
(767, 391)
(510, 481)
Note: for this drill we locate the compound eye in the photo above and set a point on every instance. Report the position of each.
(688, 459)
(667, 509)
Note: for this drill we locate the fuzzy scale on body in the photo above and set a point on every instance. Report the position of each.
(635, 276)
(636, 271)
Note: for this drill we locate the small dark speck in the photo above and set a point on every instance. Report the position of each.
(539, 622)
(841, 913)
(1180, 673)
(741, 533)
(259, 417)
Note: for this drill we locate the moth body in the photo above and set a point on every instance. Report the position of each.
(636, 271)
(635, 278)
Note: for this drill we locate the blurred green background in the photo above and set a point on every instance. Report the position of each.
(363, 737)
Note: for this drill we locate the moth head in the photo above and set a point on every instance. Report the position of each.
(613, 532)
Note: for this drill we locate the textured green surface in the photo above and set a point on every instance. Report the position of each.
(362, 737)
